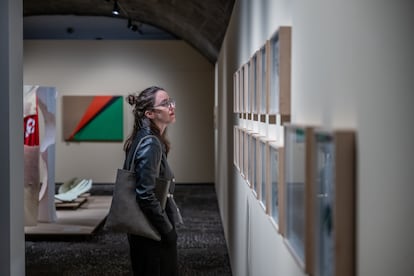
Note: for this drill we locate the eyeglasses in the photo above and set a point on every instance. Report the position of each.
(170, 103)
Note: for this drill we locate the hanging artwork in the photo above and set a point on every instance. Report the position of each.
(297, 207)
(92, 118)
(334, 200)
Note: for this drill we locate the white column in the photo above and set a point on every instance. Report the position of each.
(12, 249)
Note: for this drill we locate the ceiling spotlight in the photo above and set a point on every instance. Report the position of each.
(132, 26)
(129, 23)
(116, 9)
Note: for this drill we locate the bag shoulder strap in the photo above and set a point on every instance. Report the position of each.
(132, 164)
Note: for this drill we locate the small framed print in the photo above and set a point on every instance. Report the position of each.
(236, 148)
(298, 227)
(251, 157)
(241, 151)
(262, 79)
(247, 87)
(246, 153)
(253, 84)
(279, 52)
(252, 166)
(236, 92)
(276, 184)
(256, 164)
(259, 80)
(263, 188)
(334, 203)
(241, 88)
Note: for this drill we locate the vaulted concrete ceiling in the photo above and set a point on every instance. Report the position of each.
(201, 23)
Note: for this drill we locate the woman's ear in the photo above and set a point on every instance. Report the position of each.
(149, 114)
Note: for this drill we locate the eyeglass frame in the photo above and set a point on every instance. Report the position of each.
(170, 103)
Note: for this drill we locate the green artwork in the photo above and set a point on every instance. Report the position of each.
(92, 118)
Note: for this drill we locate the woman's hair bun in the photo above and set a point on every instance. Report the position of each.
(131, 99)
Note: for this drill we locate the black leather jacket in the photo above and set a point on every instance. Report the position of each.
(147, 159)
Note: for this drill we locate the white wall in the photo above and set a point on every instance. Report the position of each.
(118, 68)
(357, 71)
(352, 67)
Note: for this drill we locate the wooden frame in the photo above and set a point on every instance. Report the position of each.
(262, 80)
(298, 191)
(245, 154)
(257, 163)
(276, 175)
(254, 161)
(279, 74)
(241, 151)
(262, 172)
(236, 137)
(258, 81)
(246, 88)
(249, 158)
(241, 88)
(334, 195)
(253, 84)
(236, 92)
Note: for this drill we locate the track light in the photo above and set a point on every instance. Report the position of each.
(133, 27)
(116, 9)
(130, 25)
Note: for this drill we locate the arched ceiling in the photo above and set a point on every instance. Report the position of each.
(201, 23)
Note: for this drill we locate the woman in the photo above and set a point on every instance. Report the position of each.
(153, 111)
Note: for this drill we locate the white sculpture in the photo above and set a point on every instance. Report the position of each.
(39, 201)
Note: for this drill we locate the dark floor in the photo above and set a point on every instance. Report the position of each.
(201, 246)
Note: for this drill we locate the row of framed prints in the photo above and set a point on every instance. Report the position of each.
(262, 85)
(307, 187)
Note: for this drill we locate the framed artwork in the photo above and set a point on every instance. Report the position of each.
(92, 118)
(239, 90)
(251, 166)
(235, 92)
(262, 80)
(259, 80)
(262, 172)
(334, 203)
(253, 84)
(241, 86)
(247, 85)
(246, 154)
(276, 184)
(278, 94)
(298, 207)
(241, 151)
(255, 165)
(236, 138)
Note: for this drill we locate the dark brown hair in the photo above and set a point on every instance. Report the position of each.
(142, 102)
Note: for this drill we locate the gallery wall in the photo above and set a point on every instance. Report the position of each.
(119, 68)
(351, 69)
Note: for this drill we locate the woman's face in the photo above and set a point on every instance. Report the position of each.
(164, 109)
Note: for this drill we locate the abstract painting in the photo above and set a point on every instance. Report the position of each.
(92, 118)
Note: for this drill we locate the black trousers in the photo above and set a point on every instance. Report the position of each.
(152, 258)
